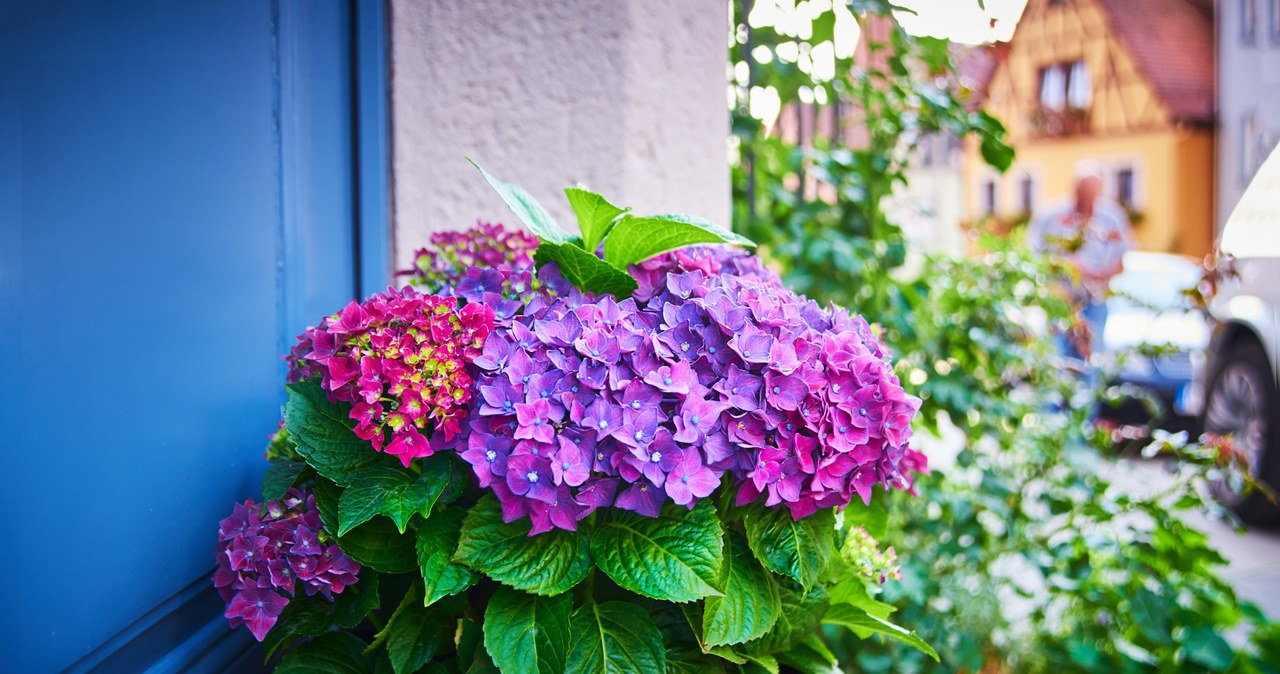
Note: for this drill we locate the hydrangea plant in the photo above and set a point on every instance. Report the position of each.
(624, 451)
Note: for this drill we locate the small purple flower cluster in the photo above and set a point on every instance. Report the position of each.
(442, 264)
(261, 556)
(712, 367)
(400, 358)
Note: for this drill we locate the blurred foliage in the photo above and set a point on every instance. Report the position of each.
(1022, 553)
(898, 89)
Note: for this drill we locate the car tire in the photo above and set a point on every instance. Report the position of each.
(1242, 401)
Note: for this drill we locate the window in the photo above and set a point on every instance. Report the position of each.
(1273, 16)
(989, 196)
(1248, 21)
(1027, 193)
(1124, 187)
(1066, 85)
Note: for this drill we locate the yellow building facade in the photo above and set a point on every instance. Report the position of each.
(1107, 83)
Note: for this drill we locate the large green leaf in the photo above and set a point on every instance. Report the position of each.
(302, 617)
(853, 590)
(361, 500)
(324, 435)
(413, 633)
(801, 615)
(635, 239)
(329, 653)
(356, 601)
(750, 604)
(377, 544)
(874, 518)
(864, 624)
(394, 492)
(530, 212)
(527, 634)
(810, 656)
(279, 477)
(595, 215)
(586, 271)
(614, 638)
(545, 564)
(798, 549)
(327, 496)
(437, 540)
(676, 556)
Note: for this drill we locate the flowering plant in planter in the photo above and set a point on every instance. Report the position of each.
(628, 451)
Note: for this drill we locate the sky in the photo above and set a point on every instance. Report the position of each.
(962, 20)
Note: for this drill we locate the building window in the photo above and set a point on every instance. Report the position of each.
(1066, 85)
(1027, 194)
(1248, 21)
(1273, 12)
(1124, 187)
(989, 196)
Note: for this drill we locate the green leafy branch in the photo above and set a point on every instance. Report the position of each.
(627, 239)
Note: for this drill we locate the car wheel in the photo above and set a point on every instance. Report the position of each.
(1242, 402)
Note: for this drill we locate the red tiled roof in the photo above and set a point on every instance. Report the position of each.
(1172, 43)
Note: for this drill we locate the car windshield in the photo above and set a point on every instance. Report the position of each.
(1154, 281)
(1251, 231)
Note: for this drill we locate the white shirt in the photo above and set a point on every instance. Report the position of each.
(1095, 246)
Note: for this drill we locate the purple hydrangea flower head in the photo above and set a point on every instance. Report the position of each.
(712, 373)
(264, 553)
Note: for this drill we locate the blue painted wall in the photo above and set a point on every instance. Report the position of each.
(179, 196)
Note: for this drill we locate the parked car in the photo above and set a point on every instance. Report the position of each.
(1147, 308)
(1242, 394)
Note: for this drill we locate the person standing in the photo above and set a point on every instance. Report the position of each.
(1091, 233)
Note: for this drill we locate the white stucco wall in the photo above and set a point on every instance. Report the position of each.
(624, 96)
(1248, 101)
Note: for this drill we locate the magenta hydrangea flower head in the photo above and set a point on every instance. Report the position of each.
(443, 264)
(711, 373)
(263, 553)
(400, 359)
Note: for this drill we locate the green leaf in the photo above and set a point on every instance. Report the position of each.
(1206, 647)
(412, 634)
(279, 477)
(676, 556)
(595, 215)
(853, 590)
(361, 500)
(530, 212)
(614, 638)
(527, 634)
(377, 544)
(546, 564)
(801, 616)
(874, 518)
(327, 496)
(750, 604)
(799, 549)
(636, 239)
(864, 624)
(1151, 612)
(324, 435)
(586, 271)
(810, 656)
(391, 491)
(329, 653)
(353, 605)
(420, 496)
(437, 540)
(302, 617)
